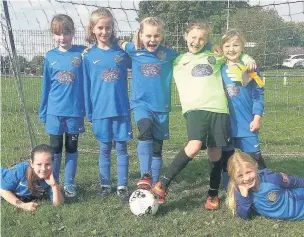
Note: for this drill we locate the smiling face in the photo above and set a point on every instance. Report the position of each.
(246, 176)
(103, 30)
(42, 165)
(196, 39)
(232, 49)
(151, 36)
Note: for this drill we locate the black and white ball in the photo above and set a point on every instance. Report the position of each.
(142, 202)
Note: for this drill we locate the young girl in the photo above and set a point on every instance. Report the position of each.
(32, 180)
(246, 102)
(150, 95)
(274, 195)
(198, 78)
(62, 106)
(106, 99)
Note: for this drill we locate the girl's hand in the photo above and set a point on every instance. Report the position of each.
(51, 180)
(251, 67)
(255, 124)
(217, 50)
(30, 206)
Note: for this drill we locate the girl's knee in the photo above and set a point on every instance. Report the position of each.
(192, 148)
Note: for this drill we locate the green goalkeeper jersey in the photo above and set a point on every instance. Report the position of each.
(199, 82)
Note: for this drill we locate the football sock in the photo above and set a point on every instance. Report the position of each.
(56, 166)
(157, 163)
(178, 164)
(144, 150)
(70, 167)
(122, 163)
(215, 177)
(105, 162)
(225, 156)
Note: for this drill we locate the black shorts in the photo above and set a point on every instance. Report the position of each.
(213, 129)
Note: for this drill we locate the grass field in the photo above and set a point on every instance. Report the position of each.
(282, 143)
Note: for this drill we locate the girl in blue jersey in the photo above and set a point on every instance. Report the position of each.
(150, 95)
(62, 103)
(29, 181)
(274, 195)
(245, 100)
(106, 99)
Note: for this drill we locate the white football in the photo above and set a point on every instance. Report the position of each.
(142, 202)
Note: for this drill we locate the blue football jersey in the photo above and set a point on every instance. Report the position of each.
(244, 103)
(14, 180)
(62, 85)
(105, 83)
(151, 77)
(279, 196)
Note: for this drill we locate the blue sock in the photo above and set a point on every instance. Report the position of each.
(105, 162)
(225, 179)
(144, 150)
(122, 163)
(56, 166)
(157, 163)
(70, 167)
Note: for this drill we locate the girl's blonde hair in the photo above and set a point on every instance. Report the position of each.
(199, 24)
(151, 21)
(94, 18)
(237, 161)
(30, 175)
(229, 34)
(62, 24)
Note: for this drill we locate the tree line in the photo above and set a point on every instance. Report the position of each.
(269, 34)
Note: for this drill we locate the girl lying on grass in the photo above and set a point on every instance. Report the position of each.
(29, 181)
(274, 195)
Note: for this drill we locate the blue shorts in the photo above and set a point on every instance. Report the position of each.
(160, 121)
(114, 128)
(58, 125)
(245, 144)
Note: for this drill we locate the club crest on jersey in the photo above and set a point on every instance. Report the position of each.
(232, 90)
(76, 61)
(211, 60)
(66, 77)
(117, 59)
(202, 70)
(110, 75)
(150, 70)
(161, 55)
(272, 196)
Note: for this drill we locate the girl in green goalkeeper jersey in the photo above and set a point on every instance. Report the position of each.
(197, 74)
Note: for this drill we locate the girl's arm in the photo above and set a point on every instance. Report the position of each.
(244, 202)
(288, 181)
(57, 195)
(12, 199)
(258, 106)
(87, 88)
(46, 86)
(122, 44)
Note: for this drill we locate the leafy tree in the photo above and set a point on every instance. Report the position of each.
(36, 65)
(23, 63)
(268, 31)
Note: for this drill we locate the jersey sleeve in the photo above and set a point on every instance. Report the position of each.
(244, 205)
(46, 86)
(129, 47)
(87, 87)
(10, 178)
(288, 181)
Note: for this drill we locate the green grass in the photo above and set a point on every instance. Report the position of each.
(182, 215)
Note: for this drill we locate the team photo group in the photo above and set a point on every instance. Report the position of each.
(222, 99)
